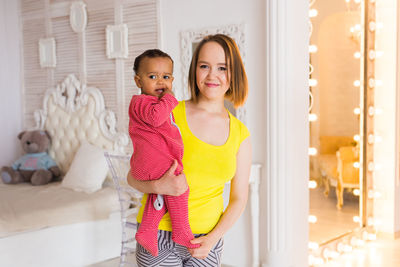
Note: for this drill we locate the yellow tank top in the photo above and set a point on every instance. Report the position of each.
(207, 169)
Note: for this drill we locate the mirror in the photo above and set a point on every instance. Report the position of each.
(335, 119)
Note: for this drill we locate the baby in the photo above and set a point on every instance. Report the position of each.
(156, 144)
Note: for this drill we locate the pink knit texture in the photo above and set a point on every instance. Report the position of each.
(157, 142)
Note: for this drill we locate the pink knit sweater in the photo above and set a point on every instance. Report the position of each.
(155, 136)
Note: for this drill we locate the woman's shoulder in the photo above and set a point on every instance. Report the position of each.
(180, 107)
(179, 110)
(239, 127)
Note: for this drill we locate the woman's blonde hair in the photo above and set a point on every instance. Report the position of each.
(238, 87)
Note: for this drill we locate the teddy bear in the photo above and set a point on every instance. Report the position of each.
(36, 166)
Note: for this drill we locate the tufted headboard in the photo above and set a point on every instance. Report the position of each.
(72, 113)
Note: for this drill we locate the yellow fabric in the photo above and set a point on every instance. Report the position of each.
(207, 169)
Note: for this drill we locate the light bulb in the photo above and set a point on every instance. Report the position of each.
(329, 253)
(312, 184)
(312, 151)
(313, 245)
(310, 260)
(312, 218)
(312, 49)
(371, 139)
(357, 83)
(344, 248)
(313, 13)
(356, 164)
(371, 54)
(372, 26)
(356, 192)
(312, 82)
(357, 111)
(371, 111)
(315, 261)
(356, 219)
(312, 117)
(357, 54)
(371, 82)
(374, 194)
(356, 137)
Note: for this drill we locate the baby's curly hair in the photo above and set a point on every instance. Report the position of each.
(150, 53)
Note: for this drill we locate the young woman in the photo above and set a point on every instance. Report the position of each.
(217, 149)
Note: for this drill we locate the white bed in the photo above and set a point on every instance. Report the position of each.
(57, 224)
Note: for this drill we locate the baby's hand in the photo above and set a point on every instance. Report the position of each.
(168, 91)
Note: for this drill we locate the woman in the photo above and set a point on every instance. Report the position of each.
(217, 149)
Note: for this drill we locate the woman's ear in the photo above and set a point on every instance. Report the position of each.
(138, 81)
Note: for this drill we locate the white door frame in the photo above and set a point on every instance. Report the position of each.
(287, 167)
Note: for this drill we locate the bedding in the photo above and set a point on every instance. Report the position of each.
(24, 207)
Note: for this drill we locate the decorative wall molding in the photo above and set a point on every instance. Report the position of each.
(71, 96)
(78, 16)
(190, 38)
(254, 183)
(47, 52)
(117, 41)
(286, 170)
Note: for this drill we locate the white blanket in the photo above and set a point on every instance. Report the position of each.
(24, 207)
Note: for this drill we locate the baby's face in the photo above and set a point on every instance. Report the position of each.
(155, 76)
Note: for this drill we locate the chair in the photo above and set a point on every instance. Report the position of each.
(335, 163)
(129, 200)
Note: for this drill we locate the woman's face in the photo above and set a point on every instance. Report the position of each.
(212, 72)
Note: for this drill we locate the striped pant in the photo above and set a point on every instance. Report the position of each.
(174, 255)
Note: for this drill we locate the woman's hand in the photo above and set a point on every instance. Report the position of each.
(168, 184)
(171, 184)
(207, 242)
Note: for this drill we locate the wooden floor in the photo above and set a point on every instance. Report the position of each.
(331, 222)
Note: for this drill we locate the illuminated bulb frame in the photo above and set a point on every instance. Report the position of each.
(368, 232)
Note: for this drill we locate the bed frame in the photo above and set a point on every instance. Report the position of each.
(71, 113)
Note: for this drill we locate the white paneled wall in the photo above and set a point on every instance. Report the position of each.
(84, 54)
(10, 94)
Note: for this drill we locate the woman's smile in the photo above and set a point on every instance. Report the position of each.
(208, 84)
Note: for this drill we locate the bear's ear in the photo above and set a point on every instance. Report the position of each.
(21, 134)
(46, 133)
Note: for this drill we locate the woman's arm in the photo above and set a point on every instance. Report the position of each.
(168, 184)
(237, 203)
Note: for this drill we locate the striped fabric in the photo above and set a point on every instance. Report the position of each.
(174, 255)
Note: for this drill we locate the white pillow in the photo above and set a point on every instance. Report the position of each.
(88, 170)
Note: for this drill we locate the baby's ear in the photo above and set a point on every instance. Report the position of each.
(138, 81)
